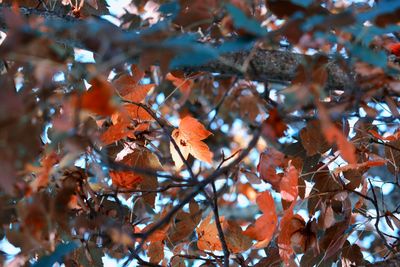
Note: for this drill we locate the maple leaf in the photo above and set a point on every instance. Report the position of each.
(129, 88)
(98, 98)
(189, 138)
(116, 131)
(185, 223)
(42, 178)
(264, 227)
(141, 158)
(207, 233)
(313, 139)
(125, 179)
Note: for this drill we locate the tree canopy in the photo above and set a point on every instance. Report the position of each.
(200, 132)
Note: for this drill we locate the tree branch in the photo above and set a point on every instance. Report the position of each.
(262, 65)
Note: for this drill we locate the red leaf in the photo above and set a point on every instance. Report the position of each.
(274, 127)
(395, 49)
(393, 137)
(288, 185)
(269, 161)
(288, 226)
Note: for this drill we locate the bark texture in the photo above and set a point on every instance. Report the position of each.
(258, 65)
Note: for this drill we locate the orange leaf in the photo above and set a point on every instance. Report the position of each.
(183, 84)
(125, 179)
(393, 137)
(264, 227)
(189, 138)
(127, 84)
(367, 164)
(193, 129)
(288, 186)
(42, 178)
(141, 158)
(137, 113)
(116, 131)
(209, 239)
(158, 235)
(98, 98)
(139, 93)
(288, 226)
(207, 233)
(347, 149)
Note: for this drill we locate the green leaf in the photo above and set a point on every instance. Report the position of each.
(377, 58)
(57, 255)
(241, 21)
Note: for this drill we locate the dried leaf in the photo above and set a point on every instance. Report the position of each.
(313, 139)
(156, 252)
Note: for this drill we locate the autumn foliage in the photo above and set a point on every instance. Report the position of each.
(199, 133)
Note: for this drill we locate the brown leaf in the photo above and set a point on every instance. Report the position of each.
(313, 139)
(156, 252)
(185, 223)
(273, 127)
(392, 153)
(251, 177)
(141, 158)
